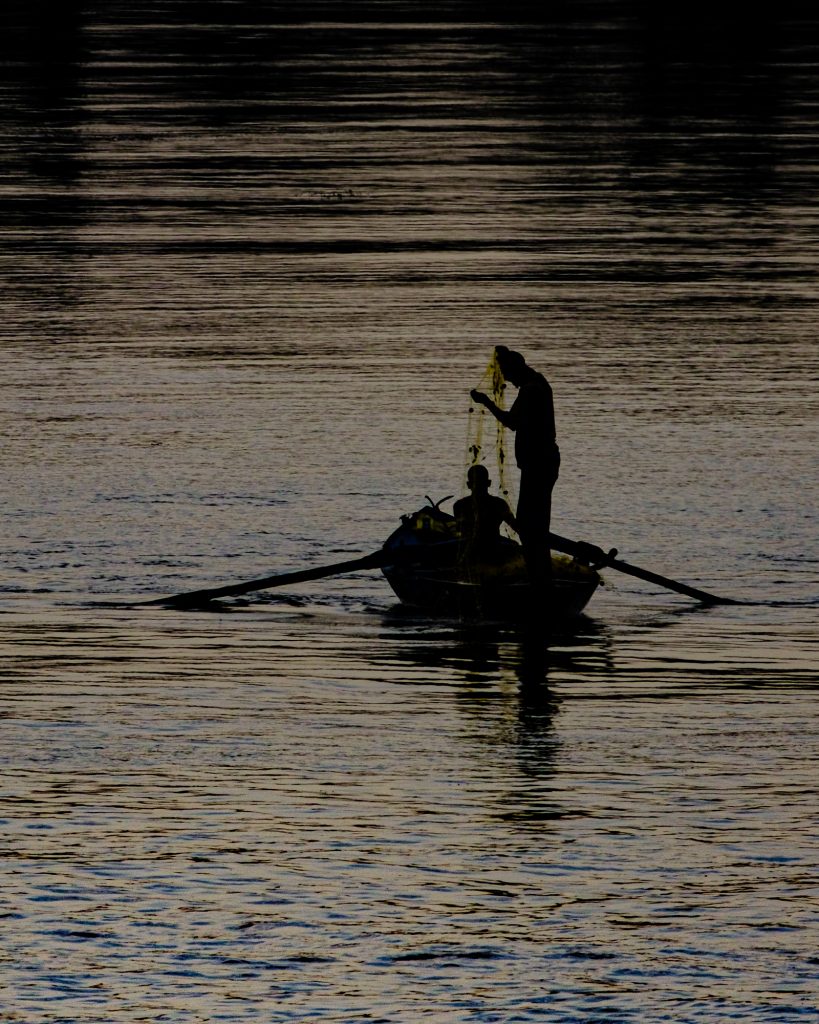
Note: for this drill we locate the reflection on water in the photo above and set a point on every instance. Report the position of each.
(251, 264)
(241, 814)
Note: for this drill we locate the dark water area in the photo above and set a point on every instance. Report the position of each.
(252, 259)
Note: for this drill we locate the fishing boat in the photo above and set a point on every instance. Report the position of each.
(422, 560)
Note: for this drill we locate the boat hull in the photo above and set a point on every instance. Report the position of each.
(425, 568)
(441, 594)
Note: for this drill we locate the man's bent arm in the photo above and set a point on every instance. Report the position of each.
(503, 416)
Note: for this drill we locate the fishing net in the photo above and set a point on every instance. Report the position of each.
(485, 434)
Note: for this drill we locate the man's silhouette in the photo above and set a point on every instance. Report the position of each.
(479, 516)
(532, 418)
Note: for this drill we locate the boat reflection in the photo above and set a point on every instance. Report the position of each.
(491, 653)
(508, 690)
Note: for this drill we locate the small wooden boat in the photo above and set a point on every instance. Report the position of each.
(423, 563)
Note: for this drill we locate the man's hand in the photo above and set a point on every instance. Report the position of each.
(479, 397)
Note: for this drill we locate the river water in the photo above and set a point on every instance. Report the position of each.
(253, 257)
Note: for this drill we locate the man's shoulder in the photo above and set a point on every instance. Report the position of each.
(498, 503)
(538, 382)
(533, 389)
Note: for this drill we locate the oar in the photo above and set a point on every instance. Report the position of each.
(602, 559)
(580, 549)
(197, 598)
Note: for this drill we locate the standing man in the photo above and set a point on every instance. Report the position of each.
(532, 417)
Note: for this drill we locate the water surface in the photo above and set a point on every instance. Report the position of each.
(251, 266)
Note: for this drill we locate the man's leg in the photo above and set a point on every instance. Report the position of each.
(533, 518)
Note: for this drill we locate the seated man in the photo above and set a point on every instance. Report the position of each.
(479, 517)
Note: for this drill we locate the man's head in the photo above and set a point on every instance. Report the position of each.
(477, 479)
(511, 364)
